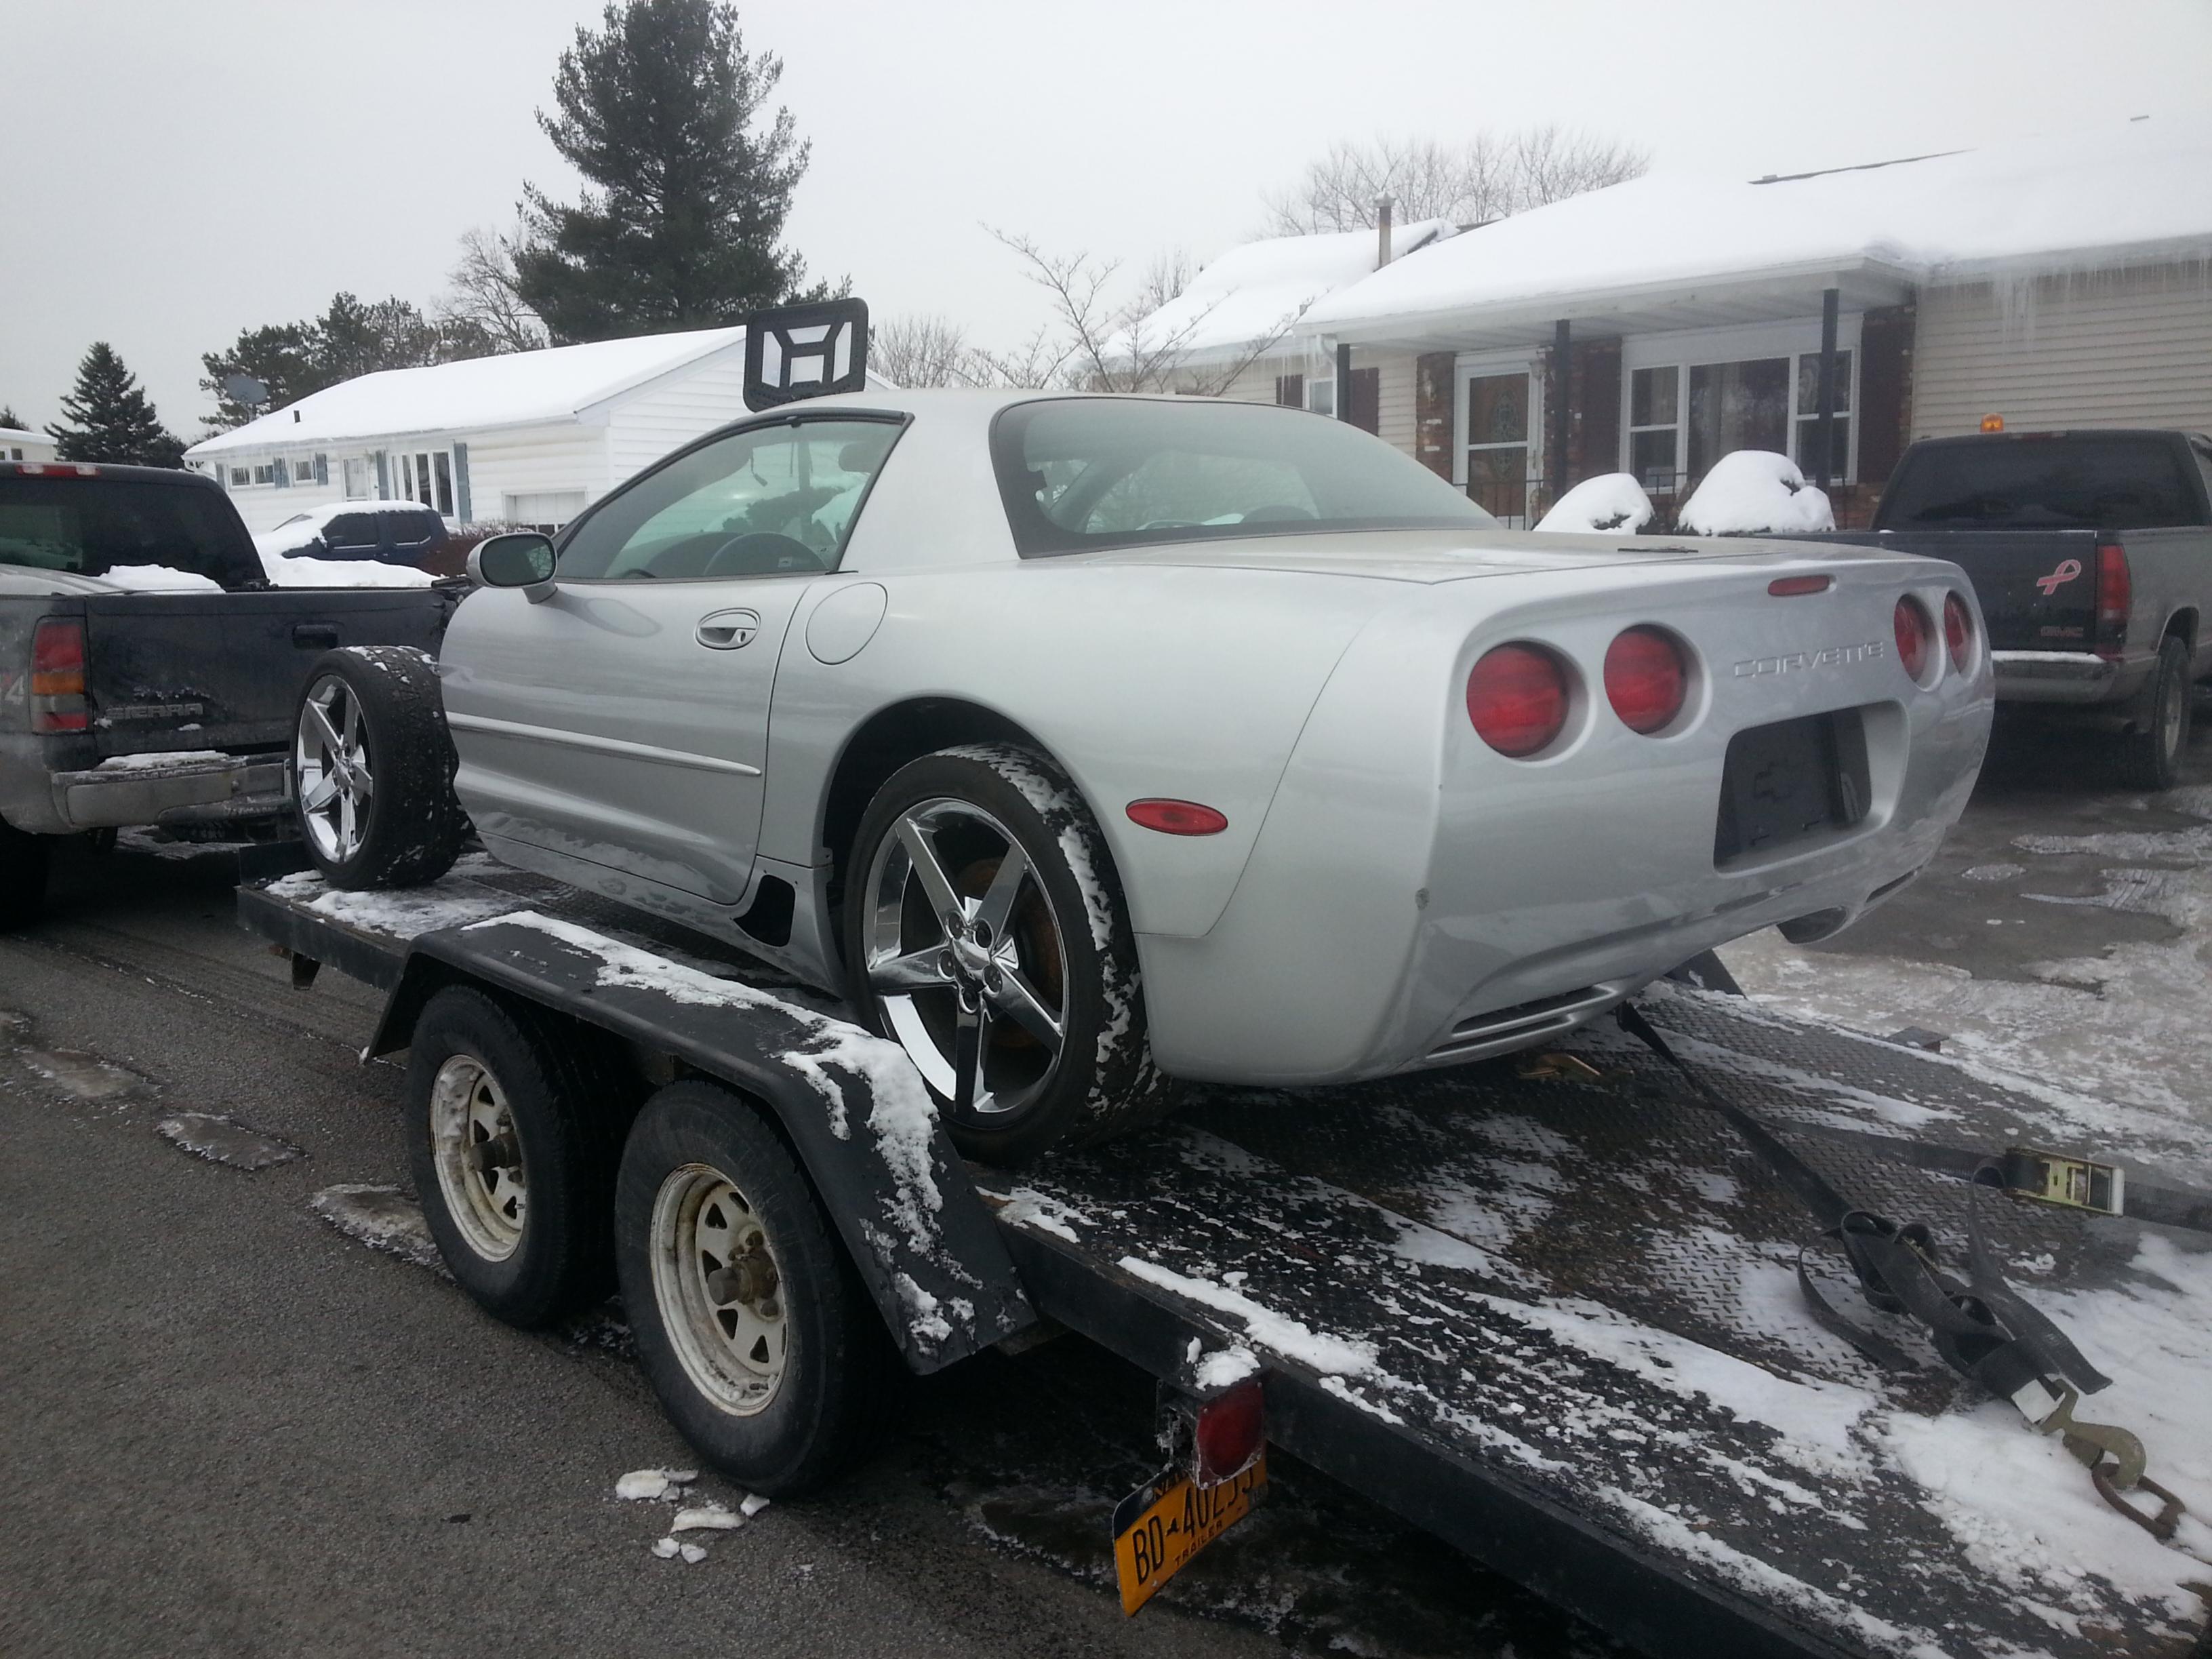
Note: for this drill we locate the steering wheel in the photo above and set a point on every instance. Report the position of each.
(760, 553)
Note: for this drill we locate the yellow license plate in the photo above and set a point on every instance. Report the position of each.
(1178, 1524)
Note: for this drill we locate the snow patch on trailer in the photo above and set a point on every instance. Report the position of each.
(1299, 1343)
(400, 912)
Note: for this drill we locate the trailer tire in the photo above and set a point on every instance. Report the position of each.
(2151, 752)
(22, 876)
(372, 769)
(752, 1325)
(514, 1122)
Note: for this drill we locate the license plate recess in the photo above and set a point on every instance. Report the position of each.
(1789, 781)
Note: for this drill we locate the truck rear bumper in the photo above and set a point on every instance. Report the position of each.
(198, 790)
(2072, 677)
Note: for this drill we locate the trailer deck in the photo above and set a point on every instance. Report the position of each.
(1548, 1308)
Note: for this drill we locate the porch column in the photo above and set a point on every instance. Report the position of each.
(1562, 412)
(1343, 381)
(1826, 426)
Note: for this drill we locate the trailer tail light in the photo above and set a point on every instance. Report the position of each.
(2115, 597)
(58, 676)
(1230, 1429)
(1915, 638)
(1645, 678)
(1176, 818)
(1517, 697)
(1958, 631)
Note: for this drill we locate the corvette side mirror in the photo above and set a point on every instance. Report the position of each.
(522, 558)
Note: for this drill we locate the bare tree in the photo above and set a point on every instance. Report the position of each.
(916, 351)
(1487, 177)
(1097, 341)
(484, 299)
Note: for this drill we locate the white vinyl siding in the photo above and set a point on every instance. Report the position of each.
(570, 461)
(2129, 347)
(1255, 383)
(1395, 418)
(652, 421)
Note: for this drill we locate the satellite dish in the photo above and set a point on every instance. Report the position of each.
(244, 389)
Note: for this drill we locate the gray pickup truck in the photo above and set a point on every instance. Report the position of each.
(123, 707)
(2091, 552)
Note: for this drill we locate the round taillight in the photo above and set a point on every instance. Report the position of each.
(1176, 817)
(1645, 678)
(1916, 635)
(1958, 631)
(1517, 697)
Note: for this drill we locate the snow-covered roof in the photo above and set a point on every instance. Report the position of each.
(2124, 193)
(523, 388)
(1258, 289)
(7, 432)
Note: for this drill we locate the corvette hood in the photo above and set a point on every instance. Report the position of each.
(1440, 555)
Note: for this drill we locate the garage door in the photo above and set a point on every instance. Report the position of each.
(547, 509)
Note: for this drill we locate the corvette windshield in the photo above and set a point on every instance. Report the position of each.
(1082, 473)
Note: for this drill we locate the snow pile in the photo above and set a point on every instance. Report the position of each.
(1752, 492)
(380, 1219)
(157, 579)
(643, 1484)
(342, 573)
(161, 761)
(1613, 501)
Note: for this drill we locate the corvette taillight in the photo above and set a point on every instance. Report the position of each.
(2115, 596)
(1916, 637)
(1517, 697)
(1958, 631)
(1645, 678)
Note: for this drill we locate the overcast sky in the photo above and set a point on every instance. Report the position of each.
(172, 172)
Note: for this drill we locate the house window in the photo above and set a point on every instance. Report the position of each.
(265, 472)
(1655, 428)
(303, 472)
(1688, 399)
(1321, 397)
(427, 475)
(240, 477)
(1742, 405)
(1290, 391)
(1807, 452)
(356, 477)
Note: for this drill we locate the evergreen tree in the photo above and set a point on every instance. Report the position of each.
(11, 420)
(112, 419)
(663, 111)
(354, 337)
(285, 357)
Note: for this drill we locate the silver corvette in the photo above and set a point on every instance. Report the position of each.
(1088, 742)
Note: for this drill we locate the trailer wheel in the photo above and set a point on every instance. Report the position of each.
(2150, 753)
(372, 769)
(752, 1326)
(514, 1126)
(23, 875)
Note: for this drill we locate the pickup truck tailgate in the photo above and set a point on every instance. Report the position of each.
(224, 670)
(2037, 587)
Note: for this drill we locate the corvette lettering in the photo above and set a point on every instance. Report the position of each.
(1833, 656)
(2067, 571)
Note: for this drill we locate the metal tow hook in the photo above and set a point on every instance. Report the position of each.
(2092, 1443)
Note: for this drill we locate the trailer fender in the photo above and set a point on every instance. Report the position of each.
(851, 1105)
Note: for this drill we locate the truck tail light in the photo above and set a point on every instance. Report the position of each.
(1958, 631)
(1517, 697)
(1645, 678)
(1916, 636)
(58, 676)
(2115, 597)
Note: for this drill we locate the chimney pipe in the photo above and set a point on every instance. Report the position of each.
(1382, 230)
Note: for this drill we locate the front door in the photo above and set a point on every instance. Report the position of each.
(1497, 412)
(624, 720)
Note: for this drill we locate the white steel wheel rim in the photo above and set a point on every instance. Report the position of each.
(719, 1289)
(478, 1158)
(331, 769)
(964, 977)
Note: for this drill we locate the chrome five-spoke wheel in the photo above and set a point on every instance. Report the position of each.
(719, 1290)
(967, 957)
(330, 761)
(478, 1158)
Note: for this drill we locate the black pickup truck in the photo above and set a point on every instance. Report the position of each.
(2091, 552)
(122, 707)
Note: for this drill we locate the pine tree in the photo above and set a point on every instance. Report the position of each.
(11, 420)
(112, 420)
(659, 109)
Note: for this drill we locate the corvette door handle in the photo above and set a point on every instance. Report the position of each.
(727, 630)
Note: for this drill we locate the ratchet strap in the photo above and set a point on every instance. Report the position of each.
(1983, 1328)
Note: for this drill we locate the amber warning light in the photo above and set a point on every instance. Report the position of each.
(1992, 423)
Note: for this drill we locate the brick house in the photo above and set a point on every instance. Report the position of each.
(2055, 282)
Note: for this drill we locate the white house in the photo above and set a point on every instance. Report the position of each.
(17, 445)
(529, 438)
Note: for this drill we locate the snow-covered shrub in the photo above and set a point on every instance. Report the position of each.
(1752, 492)
(1615, 501)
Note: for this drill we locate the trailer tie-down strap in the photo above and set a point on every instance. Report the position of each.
(1983, 1328)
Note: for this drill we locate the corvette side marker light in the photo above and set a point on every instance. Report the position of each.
(1176, 818)
(1789, 588)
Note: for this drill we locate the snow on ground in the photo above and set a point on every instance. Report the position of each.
(380, 1217)
(1752, 492)
(221, 1138)
(1613, 501)
(2132, 1026)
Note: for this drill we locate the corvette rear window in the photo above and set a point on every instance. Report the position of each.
(1081, 473)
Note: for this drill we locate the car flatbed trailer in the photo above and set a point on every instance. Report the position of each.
(1546, 1308)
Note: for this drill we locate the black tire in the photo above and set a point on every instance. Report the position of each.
(1101, 1082)
(567, 1106)
(23, 875)
(839, 1385)
(382, 703)
(2151, 752)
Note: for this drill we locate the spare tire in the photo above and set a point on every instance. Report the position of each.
(372, 769)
